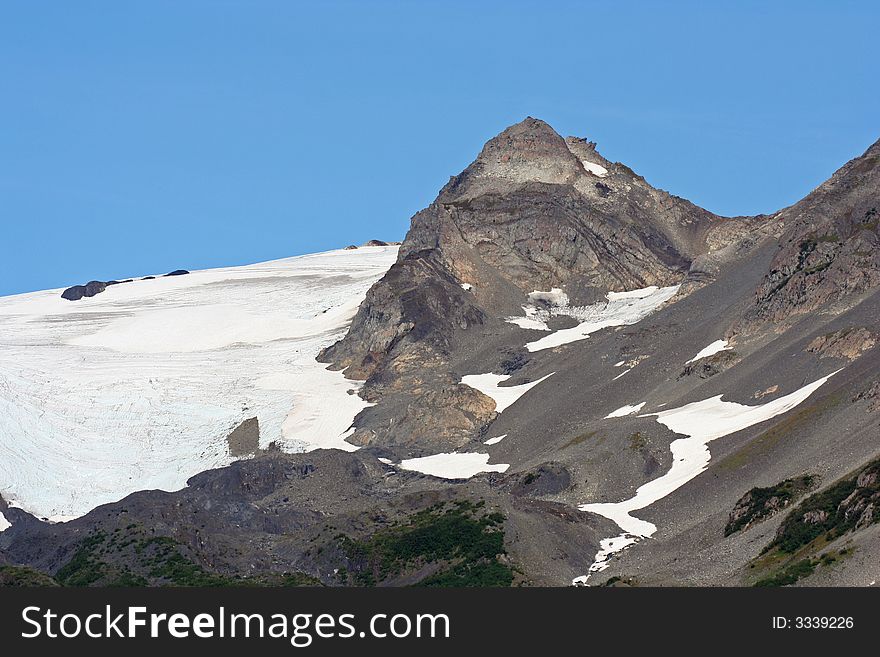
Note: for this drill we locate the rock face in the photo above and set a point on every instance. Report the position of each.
(277, 519)
(245, 438)
(847, 343)
(534, 211)
(761, 503)
(830, 249)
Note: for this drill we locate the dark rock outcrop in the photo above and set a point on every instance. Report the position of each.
(847, 343)
(177, 272)
(90, 289)
(830, 249)
(277, 519)
(245, 438)
(762, 503)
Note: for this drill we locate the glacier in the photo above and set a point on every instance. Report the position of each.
(138, 387)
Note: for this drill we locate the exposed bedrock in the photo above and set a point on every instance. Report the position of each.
(829, 252)
(534, 211)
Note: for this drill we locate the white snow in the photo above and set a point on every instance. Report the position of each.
(139, 386)
(625, 410)
(702, 422)
(641, 293)
(454, 465)
(620, 364)
(622, 308)
(386, 461)
(467, 287)
(4, 523)
(622, 373)
(596, 169)
(607, 548)
(496, 440)
(489, 385)
(532, 320)
(711, 350)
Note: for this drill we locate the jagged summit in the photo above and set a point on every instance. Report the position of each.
(530, 151)
(532, 212)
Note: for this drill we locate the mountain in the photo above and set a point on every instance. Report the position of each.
(575, 375)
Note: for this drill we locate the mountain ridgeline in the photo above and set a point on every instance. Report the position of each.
(554, 334)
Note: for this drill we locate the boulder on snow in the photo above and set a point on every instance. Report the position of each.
(90, 289)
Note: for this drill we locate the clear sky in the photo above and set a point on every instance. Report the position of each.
(140, 137)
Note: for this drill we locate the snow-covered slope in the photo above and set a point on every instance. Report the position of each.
(139, 386)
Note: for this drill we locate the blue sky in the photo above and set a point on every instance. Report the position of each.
(140, 137)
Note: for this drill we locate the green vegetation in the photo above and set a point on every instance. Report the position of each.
(467, 543)
(128, 558)
(483, 574)
(790, 574)
(14, 576)
(817, 521)
(84, 567)
(761, 503)
(823, 513)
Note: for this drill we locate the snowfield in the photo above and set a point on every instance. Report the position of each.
(711, 350)
(504, 396)
(625, 410)
(138, 387)
(496, 440)
(620, 309)
(453, 465)
(702, 422)
(4, 523)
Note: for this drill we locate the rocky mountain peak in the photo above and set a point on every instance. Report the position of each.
(532, 212)
(528, 151)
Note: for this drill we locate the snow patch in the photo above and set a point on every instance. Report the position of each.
(504, 397)
(4, 523)
(623, 411)
(496, 440)
(454, 465)
(530, 321)
(702, 422)
(641, 293)
(621, 308)
(622, 373)
(595, 169)
(620, 364)
(711, 350)
(467, 287)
